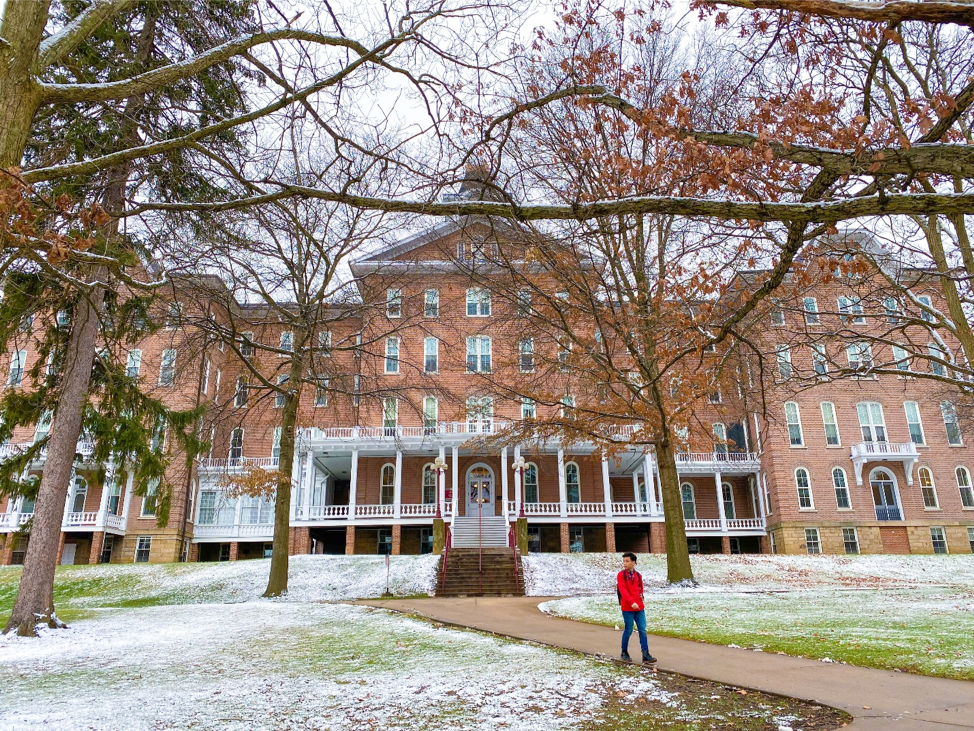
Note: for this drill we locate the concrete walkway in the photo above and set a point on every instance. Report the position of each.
(877, 699)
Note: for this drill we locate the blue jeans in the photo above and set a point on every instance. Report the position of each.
(640, 619)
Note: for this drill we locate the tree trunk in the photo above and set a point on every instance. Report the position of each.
(277, 581)
(677, 552)
(954, 305)
(20, 94)
(35, 597)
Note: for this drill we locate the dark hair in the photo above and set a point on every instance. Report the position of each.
(630, 555)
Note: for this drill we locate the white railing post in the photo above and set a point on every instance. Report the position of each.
(308, 484)
(606, 487)
(441, 483)
(455, 479)
(352, 485)
(105, 489)
(562, 487)
(518, 487)
(397, 487)
(720, 502)
(504, 483)
(648, 483)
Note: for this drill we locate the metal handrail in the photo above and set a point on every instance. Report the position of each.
(446, 554)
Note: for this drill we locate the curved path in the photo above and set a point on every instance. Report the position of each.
(877, 699)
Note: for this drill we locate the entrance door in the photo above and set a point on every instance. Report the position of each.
(480, 492)
(67, 555)
(884, 496)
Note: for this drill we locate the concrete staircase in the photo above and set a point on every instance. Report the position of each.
(487, 532)
(472, 572)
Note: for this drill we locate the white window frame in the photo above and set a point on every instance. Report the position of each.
(807, 487)
(393, 303)
(286, 343)
(692, 501)
(812, 316)
(246, 346)
(149, 505)
(18, 363)
(134, 363)
(719, 430)
(167, 367)
(390, 416)
(934, 540)
(276, 445)
(430, 415)
(777, 314)
(321, 392)
(577, 481)
(901, 361)
(926, 482)
(836, 487)
(230, 452)
(854, 541)
(479, 347)
(813, 537)
(851, 310)
(324, 343)
(478, 298)
(860, 356)
(918, 421)
(869, 429)
(820, 361)
(431, 303)
(429, 475)
(529, 409)
(892, 313)
(174, 315)
(241, 393)
(431, 349)
(797, 422)
(391, 361)
(205, 390)
(387, 489)
(783, 353)
(964, 487)
(532, 485)
(526, 355)
(924, 299)
(279, 398)
(828, 409)
(934, 351)
(139, 541)
(949, 413)
(727, 489)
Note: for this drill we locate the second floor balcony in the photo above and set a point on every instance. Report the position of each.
(903, 452)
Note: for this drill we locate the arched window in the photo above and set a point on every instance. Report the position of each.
(804, 488)
(689, 502)
(927, 489)
(429, 484)
(530, 483)
(80, 494)
(387, 484)
(841, 489)
(573, 487)
(964, 485)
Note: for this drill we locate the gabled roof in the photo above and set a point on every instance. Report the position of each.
(440, 231)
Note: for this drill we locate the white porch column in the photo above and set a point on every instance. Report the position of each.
(397, 487)
(635, 491)
(69, 498)
(128, 498)
(309, 485)
(659, 485)
(504, 510)
(606, 487)
(236, 511)
(454, 483)
(562, 487)
(103, 502)
(759, 486)
(648, 483)
(720, 502)
(352, 485)
(441, 484)
(297, 475)
(517, 484)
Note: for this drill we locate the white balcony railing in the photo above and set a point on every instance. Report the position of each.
(542, 508)
(238, 530)
(320, 512)
(115, 522)
(625, 508)
(80, 519)
(905, 452)
(586, 508)
(215, 464)
(413, 509)
(715, 460)
(702, 524)
(375, 511)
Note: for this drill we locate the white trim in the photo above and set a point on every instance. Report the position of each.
(811, 498)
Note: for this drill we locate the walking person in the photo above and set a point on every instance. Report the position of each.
(629, 589)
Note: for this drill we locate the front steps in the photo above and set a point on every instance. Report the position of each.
(465, 577)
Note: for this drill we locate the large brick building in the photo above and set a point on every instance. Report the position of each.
(397, 437)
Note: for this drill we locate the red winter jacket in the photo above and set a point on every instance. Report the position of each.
(630, 589)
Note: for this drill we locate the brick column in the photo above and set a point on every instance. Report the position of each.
(657, 538)
(765, 544)
(299, 541)
(396, 539)
(350, 540)
(565, 547)
(610, 537)
(234, 550)
(194, 553)
(8, 549)
(97, 541)
(725, 545)
(60, 548)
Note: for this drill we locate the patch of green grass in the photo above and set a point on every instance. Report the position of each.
(928, 631)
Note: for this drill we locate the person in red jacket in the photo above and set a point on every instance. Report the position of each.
(629, 589)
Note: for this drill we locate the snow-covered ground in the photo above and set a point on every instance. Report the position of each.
(311, 578)
(273, 665)
(561, 574)
(913, 613)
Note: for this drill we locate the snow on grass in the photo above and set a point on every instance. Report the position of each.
(277, 666)
(311, 578)
(927, 630)
(559, 574)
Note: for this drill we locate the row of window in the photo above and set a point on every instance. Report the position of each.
(850, 309)
(883, 494)
(872, 423)
(479, 354)
(850, 540)
(860, 358)
(478, 302)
